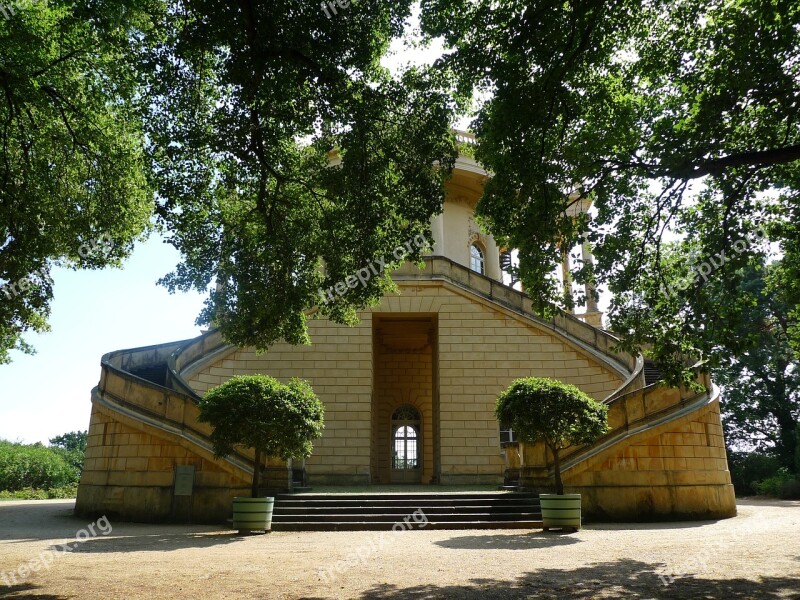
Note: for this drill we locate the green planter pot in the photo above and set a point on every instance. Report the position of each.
(561, 512)
(252, 514)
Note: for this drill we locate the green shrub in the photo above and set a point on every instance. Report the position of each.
(72, 446)
(782, 485)
(260, 412)
(748, 468)
(34, 466)
(791, 490)
(69, 491)
(556, 413)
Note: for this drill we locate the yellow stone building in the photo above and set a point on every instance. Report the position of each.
(409, 395)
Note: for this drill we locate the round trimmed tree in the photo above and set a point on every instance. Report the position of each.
(557, 413)
(260, 412)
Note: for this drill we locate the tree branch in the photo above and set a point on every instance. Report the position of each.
(759, 158)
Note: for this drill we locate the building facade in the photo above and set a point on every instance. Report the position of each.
(409, 396)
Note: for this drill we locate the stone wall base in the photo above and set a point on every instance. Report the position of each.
(155, 504)
(647, 503)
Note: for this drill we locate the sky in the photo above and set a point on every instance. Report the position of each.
(93, 312)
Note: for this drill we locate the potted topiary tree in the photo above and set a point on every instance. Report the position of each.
(272, 418)
(558, 414)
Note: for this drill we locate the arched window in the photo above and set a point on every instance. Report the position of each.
(476, 259)
(405, 438)
(405, 447)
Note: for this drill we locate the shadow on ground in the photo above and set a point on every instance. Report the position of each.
(26, 590)
(647, 525)
(508, 541)
(618, 579)
(149, 542)
(54, 520)
(759, 501)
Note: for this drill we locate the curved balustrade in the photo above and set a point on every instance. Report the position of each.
(602, 344)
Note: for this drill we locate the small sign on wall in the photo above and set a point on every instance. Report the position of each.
(184, 480)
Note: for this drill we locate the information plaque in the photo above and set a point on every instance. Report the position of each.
(184, 480)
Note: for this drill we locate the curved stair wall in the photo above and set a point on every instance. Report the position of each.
(664, 459)
(139, 433)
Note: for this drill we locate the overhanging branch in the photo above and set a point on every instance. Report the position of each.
(760, 158)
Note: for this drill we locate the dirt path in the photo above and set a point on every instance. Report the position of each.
(756, 555)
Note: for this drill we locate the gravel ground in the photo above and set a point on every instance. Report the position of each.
(755, 555)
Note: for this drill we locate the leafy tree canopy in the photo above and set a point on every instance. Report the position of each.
(678, 119)
(259, 412)
(284, 158)
(556, 413)
(73, 440)
(278, 155)
(287, 158)
(761, 396)
(73, 186)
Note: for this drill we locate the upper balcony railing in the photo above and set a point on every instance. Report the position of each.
(603, 343)
(465, 137)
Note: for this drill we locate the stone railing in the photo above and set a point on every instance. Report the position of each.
(569, 326)
(172, 411)
(465, 137)
(190, 354)
(629, 413)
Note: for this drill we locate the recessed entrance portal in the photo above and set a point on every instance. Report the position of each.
(404, 400)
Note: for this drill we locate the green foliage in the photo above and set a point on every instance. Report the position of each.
(248, 108)
(71, 446)
(559, 414)
(56, 493)
(72, 167)
(223, 119)
(34, 466)
(783, 485)
(760, 403)
(749, 468)
(256, 411)
(797, 450)
(677, 119)
(74, 440)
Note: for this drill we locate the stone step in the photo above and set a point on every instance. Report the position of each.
(383, 500)
(356, 510)
(410, 496)
(396, 517)
(382, 512)
(387, 525)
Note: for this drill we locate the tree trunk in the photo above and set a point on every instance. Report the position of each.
(557, 470)
(256, 474)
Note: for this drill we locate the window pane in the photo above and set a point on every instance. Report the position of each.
(405, 448)
(476, 261)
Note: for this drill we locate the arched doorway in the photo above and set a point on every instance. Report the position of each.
(406, 445)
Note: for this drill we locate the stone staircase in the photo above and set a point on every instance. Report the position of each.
(380, 512)
(652, 374)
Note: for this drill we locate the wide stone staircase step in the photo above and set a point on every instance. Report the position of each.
(382, 512)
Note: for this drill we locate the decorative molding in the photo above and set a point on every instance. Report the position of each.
(462, 200)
